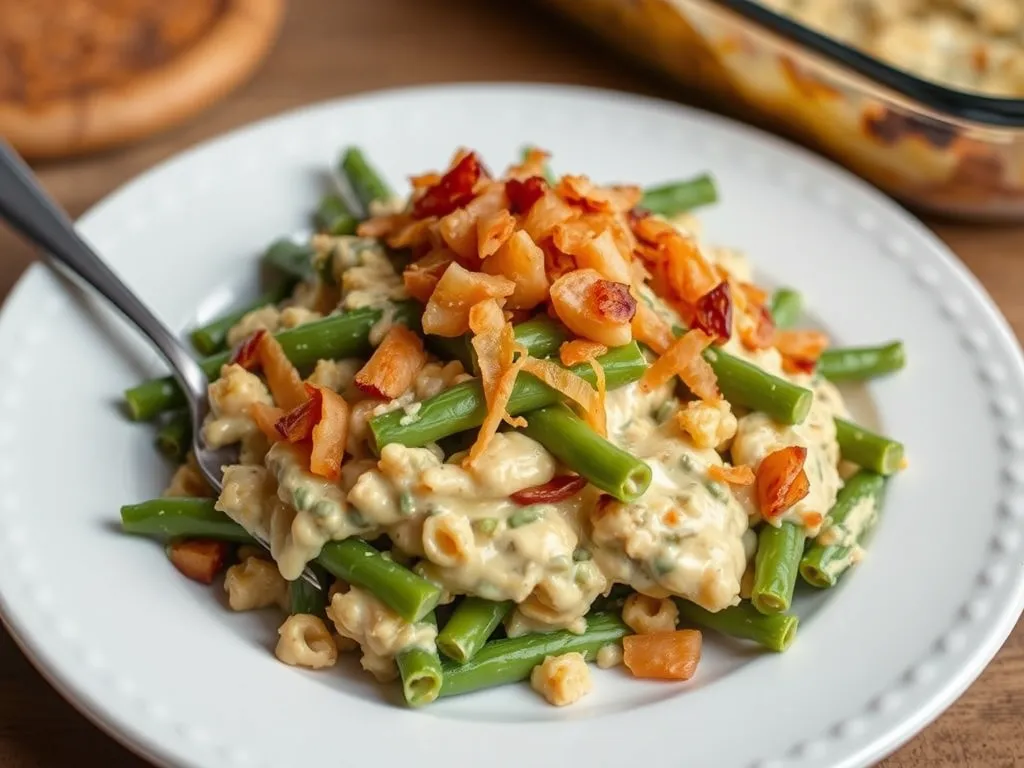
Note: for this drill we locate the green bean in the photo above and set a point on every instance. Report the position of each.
(541, 336)
(335, 336)
(463, 406)
(472, 625)
(213, 337)
(290, 258)
(775, 631)
(776, 565)
(420, 671)
(786, 306)
(849, 521)
(182, 517)
(304, 598)
(333, 217)
(512, 659)
(866, 449)
(352, 560)
(570, 440)
(410, 596)
(745, 384)
(364, 180)
(680, 196)
(549, 175)
(174, 438)
(860, 363)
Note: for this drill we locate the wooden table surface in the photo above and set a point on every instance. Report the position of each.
(331, 48)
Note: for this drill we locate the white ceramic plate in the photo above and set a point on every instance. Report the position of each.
(160, 663)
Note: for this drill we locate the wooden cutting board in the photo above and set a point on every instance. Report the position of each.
(82, 75)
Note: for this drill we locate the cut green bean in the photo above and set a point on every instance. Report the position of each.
(861, 363)
(366, 183)
(290, 258)
(542, 337)
(606, 466)
(304, 598)
(173, 518)
(332, 216)
(509, 660)
(868, 450)
(174, 438)
(745, 384)
(776, 566)
(420, 671)
(333, 337)
(472, 625)
(775, 631)
(786, 306)
(680, 196)
(352, 560)
(213, 337)
(549, 175)
(412, 597)
(854, 515)
(463, 406)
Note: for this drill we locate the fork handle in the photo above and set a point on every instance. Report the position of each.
(31, 211)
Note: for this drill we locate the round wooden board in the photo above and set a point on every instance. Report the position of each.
(139, 69)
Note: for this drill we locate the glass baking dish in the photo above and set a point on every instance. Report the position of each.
(934, 148)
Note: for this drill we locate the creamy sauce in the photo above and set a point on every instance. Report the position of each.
(230, 398)
(474, 538)
(363, 271)
(846, 535)
(380, 632)
(684, 536)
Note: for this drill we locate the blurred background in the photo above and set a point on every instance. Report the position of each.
(96, 91)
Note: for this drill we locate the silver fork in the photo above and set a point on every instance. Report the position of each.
(30, 210)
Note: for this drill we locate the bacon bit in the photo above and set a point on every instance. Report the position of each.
(297, 425)
(330, 434)
(523, 194)
(594, 308)
(555, 490)
(675, 258)
(266, 418)
(580, 351)
(781, 480)
(283, 380)
(759, 333)
(393, 367)
(454, 190)
(492, 231)
(663, 655)
(738, 475)
(572, 387)
(713, 313)
(248, 353)
(521, 261)
(447, 311)
(684, 358)
(198, 559)
(800, 349)
(652, 329)
(497, 410)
